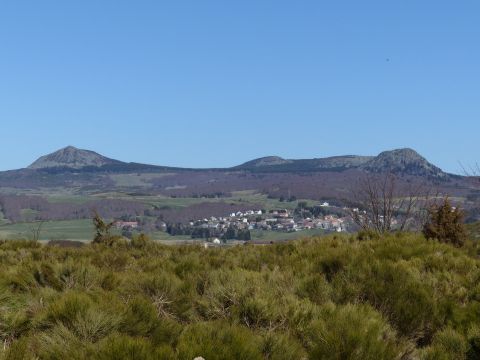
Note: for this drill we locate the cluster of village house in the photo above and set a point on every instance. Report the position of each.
(273, 220)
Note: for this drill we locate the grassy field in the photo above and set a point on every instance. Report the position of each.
(81, 230)
(280, 236)
(248, 196)
(69, 199)
(166, 238)
(3, 221)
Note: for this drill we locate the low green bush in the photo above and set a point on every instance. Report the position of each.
(447, 344)
(219, 341)
(141, 318)
(354, 332)
(123, 347)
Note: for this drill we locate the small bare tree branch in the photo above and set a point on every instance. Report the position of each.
(36, 230)
(473, 171)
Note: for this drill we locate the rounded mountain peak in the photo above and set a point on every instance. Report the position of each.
(71, 157)
(403, 161)
(266, 161)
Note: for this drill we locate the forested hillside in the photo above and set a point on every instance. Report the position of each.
(336, 297)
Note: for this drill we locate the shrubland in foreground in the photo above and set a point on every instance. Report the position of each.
(337, 297)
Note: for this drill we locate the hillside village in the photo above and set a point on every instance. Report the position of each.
(237, 225)
(274, 220)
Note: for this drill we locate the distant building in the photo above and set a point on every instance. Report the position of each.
(126, 224)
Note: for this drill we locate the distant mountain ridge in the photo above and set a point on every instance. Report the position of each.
(83, 172)
(400, 161)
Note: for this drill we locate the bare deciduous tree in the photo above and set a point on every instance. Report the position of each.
(384, 205)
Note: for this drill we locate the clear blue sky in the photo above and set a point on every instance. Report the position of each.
(216, 83)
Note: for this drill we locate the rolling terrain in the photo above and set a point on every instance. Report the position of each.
(69, 184)
(77, 171)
